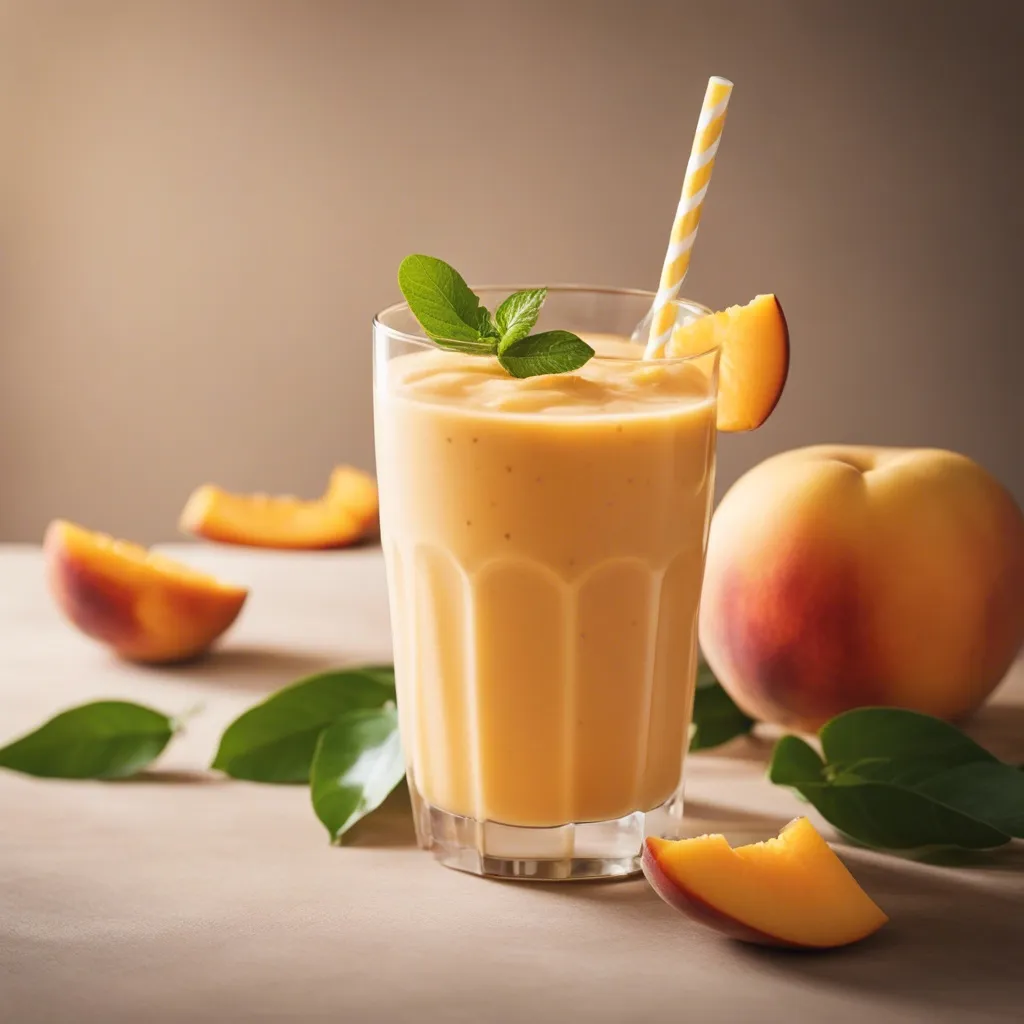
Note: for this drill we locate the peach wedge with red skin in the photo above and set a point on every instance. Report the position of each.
(146, 607)
(753, 341)
(345, 514)
(792, 891)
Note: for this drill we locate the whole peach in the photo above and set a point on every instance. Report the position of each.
(840, 577)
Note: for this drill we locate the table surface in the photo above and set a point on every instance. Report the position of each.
(182, 896)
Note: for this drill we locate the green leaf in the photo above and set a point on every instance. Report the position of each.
(886, 814)
(486, 325)
(897, 745)
(484, 347)
(384, 674)
(550, 352)
(716, 718)
(795, 763)
(450, 313)
(930, 756)
(891, 818)
(516, 316)
(110, 739)
(275, 741)
(358, 762)
(990, 791)
(442, 302)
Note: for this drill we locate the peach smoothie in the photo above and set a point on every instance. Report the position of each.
(544, 541)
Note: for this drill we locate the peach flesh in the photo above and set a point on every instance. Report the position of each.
(792, 891)
(146, 607)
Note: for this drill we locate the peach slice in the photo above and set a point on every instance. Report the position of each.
(790, 891)
(342, 516)
(145, 606)
(754, 342)
(355, 491)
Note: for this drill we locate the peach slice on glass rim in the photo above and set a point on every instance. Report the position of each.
(145, 606)
(790, 891)
(754, 362)
(343, 515)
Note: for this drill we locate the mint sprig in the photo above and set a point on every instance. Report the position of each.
(452, 316)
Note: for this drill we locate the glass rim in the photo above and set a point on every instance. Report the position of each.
(640, 293)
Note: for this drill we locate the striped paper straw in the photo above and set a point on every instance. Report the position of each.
(684, 228)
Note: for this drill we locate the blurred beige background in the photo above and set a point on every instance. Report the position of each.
(203, 202)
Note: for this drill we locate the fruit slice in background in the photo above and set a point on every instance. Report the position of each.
(790, 891)
(145, 606)
(343, 515)
(355, 491)
(754, 342)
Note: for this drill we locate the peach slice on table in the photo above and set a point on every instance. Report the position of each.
(790, 891)
(754, 343)
(145, 606)
(343, 515)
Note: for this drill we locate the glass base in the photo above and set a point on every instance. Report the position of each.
(573, 852)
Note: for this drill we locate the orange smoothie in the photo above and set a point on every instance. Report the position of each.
(544, 541)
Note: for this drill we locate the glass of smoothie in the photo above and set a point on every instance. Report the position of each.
(544, 541)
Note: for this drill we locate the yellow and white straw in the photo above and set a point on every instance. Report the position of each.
(684, 228)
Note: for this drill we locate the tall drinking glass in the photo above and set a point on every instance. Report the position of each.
(544, 541)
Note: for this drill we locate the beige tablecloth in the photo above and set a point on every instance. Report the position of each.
(186, 897)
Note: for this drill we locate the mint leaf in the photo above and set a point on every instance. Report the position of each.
(550, 352)
(357, 763)
(442, 302)
(716, 718)
(516, 316)
(109, 739)
(483, 347)
(275, 740)
(486, 325)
